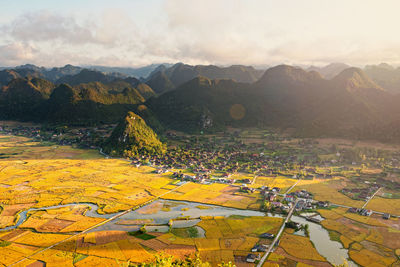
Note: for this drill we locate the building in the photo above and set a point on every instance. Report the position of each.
(252, 258)
(267, 235)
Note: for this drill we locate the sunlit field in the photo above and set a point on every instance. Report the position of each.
(36, 175)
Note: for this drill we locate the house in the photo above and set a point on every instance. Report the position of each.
(276, 189)
(267, 235)
(365, 212)
(289, 198)
(323, 204)
(308, 177)
(259, 248)
(285, 208)
(252, 258)
(353, 210)
(188, 177)
(301, 204)
(270, 197)
(276, 204)
(226, 175)
(244, 188)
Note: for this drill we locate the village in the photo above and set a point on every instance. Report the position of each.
(229, 158)
(280, 174)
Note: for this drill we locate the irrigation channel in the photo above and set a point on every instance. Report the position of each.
(159, 213)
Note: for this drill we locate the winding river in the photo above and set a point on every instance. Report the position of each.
(333, 251)
(160, 212)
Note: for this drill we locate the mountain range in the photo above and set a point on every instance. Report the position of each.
(164, 79)
(312, 102)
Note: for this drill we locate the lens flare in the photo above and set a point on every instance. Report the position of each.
(237, 111)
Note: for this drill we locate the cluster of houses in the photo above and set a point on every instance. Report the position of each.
(214, 155)
(89, 137)
(367, 212)
(363, 212)
(286, 201)
(361, 193)
(251, 257)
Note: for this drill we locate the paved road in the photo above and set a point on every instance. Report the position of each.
(290, 188)
(278, 235)
(366, 203)
(95, 226)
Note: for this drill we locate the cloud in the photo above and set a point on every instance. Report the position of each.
(15, 53)
(47, 26)
(251, 32)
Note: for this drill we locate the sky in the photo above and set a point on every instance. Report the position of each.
(222, 32)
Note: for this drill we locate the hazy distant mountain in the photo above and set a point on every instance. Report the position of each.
(160, 82)
(285, 97)
(136, 72)
(350, 104)
(386, 76)
(86, 76)
(353, 79)
(164, 79)
(56, 73)
(329, 71)
(41, 72)
(30, 67)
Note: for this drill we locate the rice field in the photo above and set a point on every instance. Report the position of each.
(35, 175)
(369, 239)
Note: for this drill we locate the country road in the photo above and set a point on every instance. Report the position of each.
(290, 188)
(366, 203)
(278, 235)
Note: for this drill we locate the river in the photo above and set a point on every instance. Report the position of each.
(163, 211)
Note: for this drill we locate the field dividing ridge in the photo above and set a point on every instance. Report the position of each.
(95, 226)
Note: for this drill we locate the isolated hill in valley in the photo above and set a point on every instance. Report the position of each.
(133, 137)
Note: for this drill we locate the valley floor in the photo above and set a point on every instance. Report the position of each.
(35, 176)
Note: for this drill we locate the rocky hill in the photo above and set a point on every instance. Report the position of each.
(133, 137)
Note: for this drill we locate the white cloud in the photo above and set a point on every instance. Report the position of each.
(15, 53)
(208, 31)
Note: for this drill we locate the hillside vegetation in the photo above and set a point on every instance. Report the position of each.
(133, 137)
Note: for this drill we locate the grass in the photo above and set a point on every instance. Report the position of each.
(141, 235)
(334, 236)
(190, 232)
(4, 243)
(202, 207)
(78, 257)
